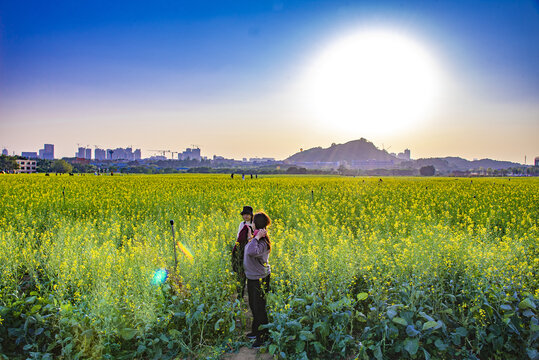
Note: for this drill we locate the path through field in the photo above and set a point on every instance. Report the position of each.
(245, 352)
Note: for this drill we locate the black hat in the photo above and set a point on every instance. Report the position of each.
(247, 210)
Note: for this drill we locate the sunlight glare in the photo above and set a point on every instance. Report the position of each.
(372, 82)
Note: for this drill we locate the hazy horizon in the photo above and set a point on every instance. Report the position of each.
(251, 79)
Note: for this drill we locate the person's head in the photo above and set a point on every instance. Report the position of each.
(247, 213)
(261, 220)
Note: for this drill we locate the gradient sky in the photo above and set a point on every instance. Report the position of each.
(224, 75)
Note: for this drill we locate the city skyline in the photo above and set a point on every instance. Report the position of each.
(254, 79)
(127, 154)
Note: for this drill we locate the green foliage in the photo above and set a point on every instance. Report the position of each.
(61, 166)
(8, 163)
(404, 268)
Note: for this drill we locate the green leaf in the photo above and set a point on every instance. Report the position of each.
(399, 320)
(526, 304)
(293, 324)
(217, 324)
(378, 352)
(461, 331)
(429, 325)
(306, 335)
(300, 346)
(440, 345)
(30, 299)
(318, 347)
(391, 313)
(164, 338)
(533, 354)
(127, 333)
(411, 331)
(362, 296)
(425, 316)
(411, 345)
(272, 348)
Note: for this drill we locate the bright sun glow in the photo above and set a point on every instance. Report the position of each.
(372, 82)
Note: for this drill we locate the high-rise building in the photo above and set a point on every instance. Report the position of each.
(47, 152)
(137, 154)
(81, 154)
(405, 155)
(99, 154)
(88, 154)
(190, 153)
(29, 154)
(5, 152)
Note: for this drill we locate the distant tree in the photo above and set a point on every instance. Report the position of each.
(44, 165)
(83, 168)
(62, 166)
(427, 170)
(296, 170)
(8, 163)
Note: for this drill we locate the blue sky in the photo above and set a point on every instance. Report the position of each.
(209, 72)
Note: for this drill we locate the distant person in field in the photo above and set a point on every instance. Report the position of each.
(245, 232)
(257, 271)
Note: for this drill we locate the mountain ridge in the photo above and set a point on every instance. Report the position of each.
(363, 151)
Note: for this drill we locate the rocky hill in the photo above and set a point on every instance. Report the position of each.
(355, 150)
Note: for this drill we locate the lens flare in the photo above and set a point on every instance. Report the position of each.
(159, 277)
(185, 251)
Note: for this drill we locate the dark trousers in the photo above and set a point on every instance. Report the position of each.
(241, 284)
(257, 290)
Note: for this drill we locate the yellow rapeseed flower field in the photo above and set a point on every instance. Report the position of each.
(78, 253)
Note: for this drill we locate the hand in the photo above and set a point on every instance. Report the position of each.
(261, 234)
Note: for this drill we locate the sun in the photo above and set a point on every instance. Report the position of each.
(372, 82)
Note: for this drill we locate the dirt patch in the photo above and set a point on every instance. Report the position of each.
(246, 353)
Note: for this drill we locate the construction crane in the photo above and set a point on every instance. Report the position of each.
(164, 152)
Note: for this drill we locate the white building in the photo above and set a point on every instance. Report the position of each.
(26, 166)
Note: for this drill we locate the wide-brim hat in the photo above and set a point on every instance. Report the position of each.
(247, 210)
